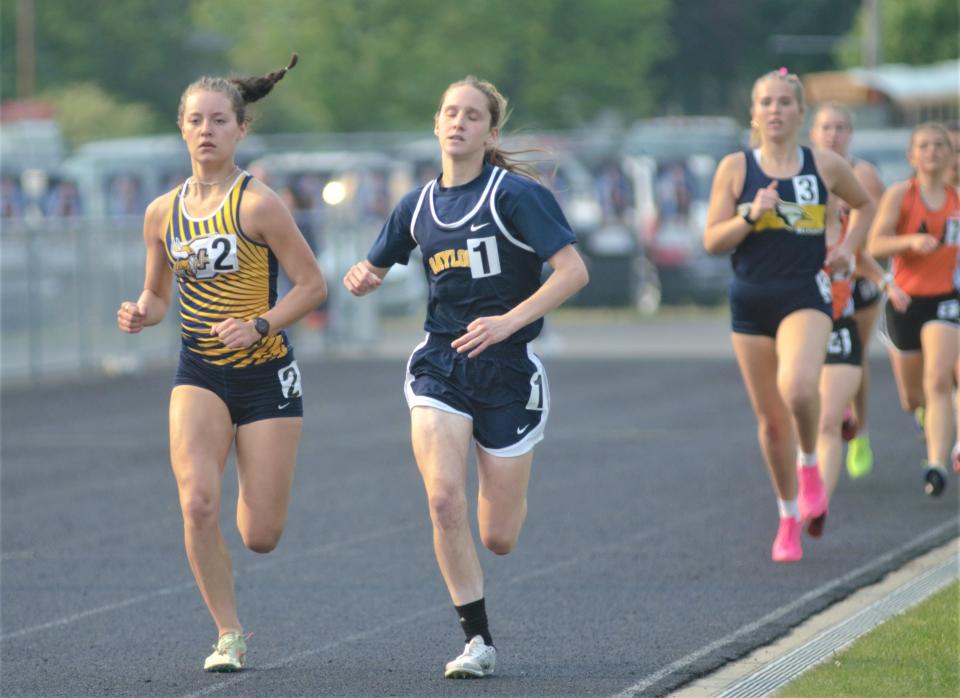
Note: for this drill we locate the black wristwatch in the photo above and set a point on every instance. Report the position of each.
(262, 326)
(746, 216)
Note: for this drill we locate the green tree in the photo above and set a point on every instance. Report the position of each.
(720, 48)
(139, 51)
(916, 32)
(381, 64)
(84, 108)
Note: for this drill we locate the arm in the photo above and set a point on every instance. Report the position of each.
(868, 268)
(725, 227)
(870, 179)
(151, 306)
(569, 276)
(843, 182)
(267, 220)
(884, 241)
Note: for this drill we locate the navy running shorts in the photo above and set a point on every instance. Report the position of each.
(844, 346)
(759, 307)
(865, 294)
(903, 329)
(266, 391)
(503, 391)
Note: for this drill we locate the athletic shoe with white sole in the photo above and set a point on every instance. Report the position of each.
(478, 660)
(229, 654)
(934, 480)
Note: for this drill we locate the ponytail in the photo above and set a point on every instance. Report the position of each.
(256, 88)
(240, 91)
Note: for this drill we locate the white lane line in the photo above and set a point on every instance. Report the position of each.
(685, 662)
(778, 674)
(165, 591)
(66, 620)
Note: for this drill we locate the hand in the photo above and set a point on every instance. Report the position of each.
(360, 281)
(765, 200)
(236, 334)
(131, 316)
(899, 298)
(841, 263)
(922, 243)
(481, 333)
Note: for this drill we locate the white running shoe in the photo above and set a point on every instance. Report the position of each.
(476, 661)
(229, 654)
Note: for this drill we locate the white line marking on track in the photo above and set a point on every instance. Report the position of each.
(684, 662)
(165, 591)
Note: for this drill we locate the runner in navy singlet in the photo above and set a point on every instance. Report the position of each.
(769, 207)
(484, 231)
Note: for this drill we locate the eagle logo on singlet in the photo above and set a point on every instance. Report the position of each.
(205, 257)
(800, 219)
(186, 261)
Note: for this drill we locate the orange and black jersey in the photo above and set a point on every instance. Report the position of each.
(221, 273)
(930, 274)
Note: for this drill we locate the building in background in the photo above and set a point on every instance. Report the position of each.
(893, 94)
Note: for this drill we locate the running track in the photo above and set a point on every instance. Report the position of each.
(644, 562)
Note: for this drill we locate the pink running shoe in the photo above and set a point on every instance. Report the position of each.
(812, 500)
(955, 457)
(786, 546)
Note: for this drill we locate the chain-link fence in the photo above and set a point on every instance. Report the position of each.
(62, 280)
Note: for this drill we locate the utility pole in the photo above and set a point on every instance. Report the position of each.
(872, 39)
(26, 51)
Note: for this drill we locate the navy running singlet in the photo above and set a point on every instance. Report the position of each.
(787, 242)
(483, 245)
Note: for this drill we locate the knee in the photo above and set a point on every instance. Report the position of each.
(261, 540)
(798, 393)
(201, 509)
(498, 542)
(448, 508)
(939, 384)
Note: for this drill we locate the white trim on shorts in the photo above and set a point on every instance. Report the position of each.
(884, 335)
(535, 435)
(414, 400)
(532, 438)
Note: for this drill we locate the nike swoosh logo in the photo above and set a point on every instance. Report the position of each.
(283, 406)
(520, 430)
(474, 228)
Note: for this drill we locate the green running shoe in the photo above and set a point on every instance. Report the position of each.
(229, 654)
(919, 415)
(859, 457)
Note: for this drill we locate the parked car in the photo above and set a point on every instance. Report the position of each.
(671, 163)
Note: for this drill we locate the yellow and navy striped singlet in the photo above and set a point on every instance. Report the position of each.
(221, 274)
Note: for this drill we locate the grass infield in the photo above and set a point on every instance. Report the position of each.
(916, 653)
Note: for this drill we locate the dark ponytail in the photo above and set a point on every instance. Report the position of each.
(240, 91)
(255, 88)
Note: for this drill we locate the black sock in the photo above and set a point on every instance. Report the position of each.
(473, 620)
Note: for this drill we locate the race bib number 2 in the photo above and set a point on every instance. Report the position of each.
(207, 256)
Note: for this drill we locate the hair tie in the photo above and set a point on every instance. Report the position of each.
(782, 71)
